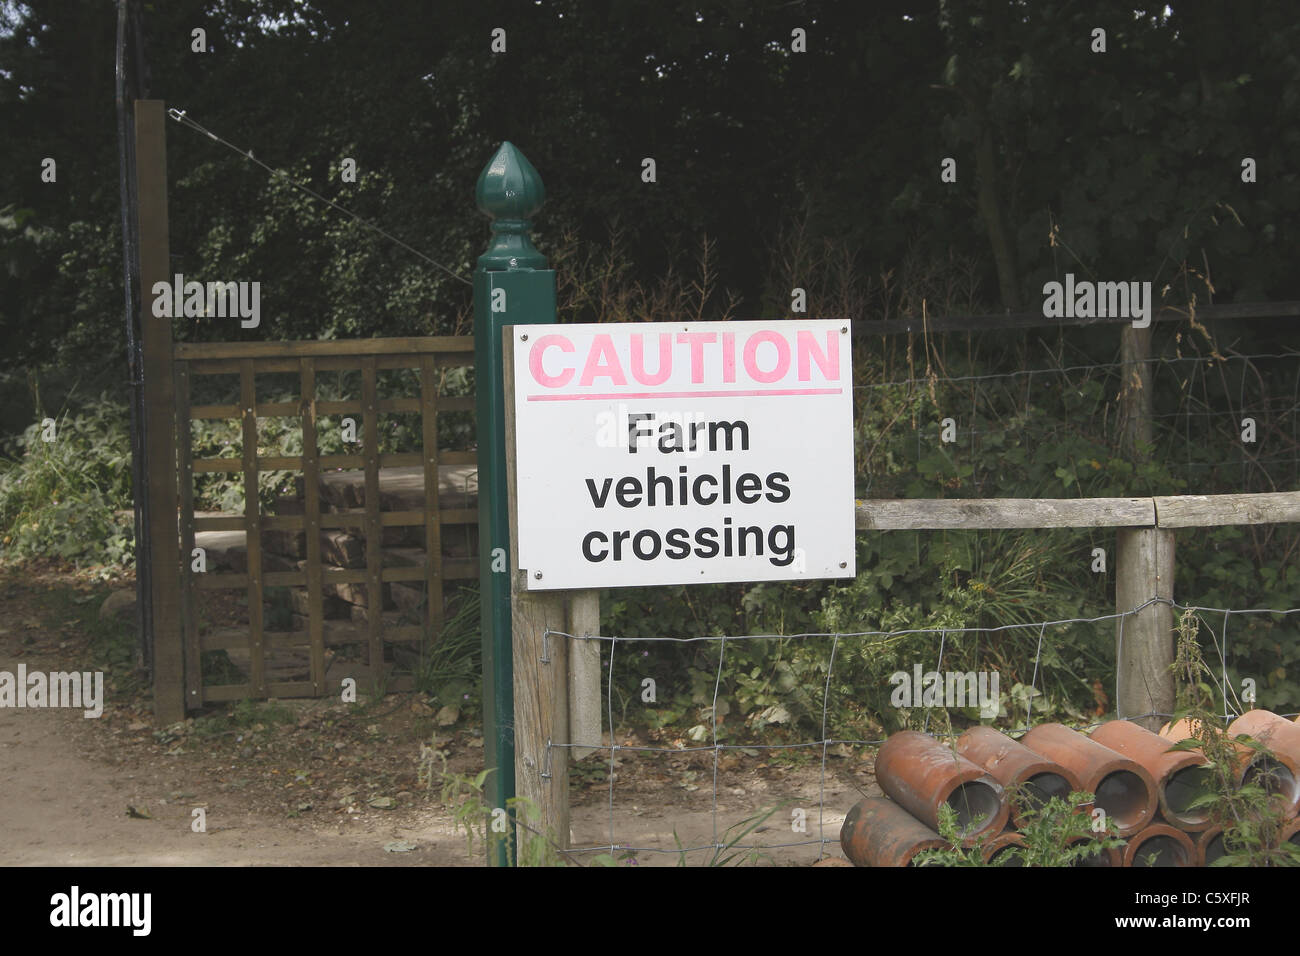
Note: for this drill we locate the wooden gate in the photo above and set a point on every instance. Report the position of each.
(333, 546)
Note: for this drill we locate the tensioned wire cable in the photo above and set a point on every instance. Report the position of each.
(181, 117)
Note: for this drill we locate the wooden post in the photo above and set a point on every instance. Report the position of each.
(541, 669)
(1144, 568)
(1135, 394)
(1144, 560)
(159, 403)
(252, 531)
(584, 673)
(374, 530)
(185, 466)
(311, 525)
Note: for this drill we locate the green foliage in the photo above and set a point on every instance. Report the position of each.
(956, 853)
(1056, 833)
(1253, 815)
(65, 498)
(1060, 832)
(1121, 201)
(449, 668)
(462, 794)
(730, 852)
(248, 713)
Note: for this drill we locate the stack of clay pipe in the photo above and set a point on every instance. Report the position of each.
(1145, 790)
(1278, 772)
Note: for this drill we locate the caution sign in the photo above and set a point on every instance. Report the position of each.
(678, 453)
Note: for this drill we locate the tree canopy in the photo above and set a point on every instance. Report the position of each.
(1120, 165)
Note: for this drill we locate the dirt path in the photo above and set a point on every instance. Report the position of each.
(318, 782)
(68, 781)
(64, 808)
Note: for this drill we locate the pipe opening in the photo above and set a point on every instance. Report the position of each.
(1042, 787)
(1272, 776)
(1124, 797)
(1183, 788)
(1160, 851)
(976, 804)
(1005, 857)
(1214, 848)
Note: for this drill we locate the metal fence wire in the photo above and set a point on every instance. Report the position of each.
(1213, 620)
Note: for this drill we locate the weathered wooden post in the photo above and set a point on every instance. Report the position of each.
(541, 673)
(1135, 393)
(512, 286)
(164, 527)
(1144, 562)
(1144, 568)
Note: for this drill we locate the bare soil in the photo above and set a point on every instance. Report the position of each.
(323, 783)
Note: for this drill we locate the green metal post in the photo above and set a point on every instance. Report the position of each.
(512, 286)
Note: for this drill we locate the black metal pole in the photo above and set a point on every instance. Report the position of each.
(130, 276)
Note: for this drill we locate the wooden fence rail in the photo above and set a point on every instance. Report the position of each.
(1174, 511)
(1144, 561)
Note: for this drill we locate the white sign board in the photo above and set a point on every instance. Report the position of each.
(679, 453)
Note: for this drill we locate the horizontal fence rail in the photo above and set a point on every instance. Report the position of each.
(1173, 511)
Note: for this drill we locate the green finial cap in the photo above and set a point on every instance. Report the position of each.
(510, 191)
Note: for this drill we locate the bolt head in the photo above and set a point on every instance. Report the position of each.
(524, 337)
(537, 575)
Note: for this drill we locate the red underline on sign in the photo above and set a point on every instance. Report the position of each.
(749, 393)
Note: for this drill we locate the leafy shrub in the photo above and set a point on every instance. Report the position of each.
(69, 498)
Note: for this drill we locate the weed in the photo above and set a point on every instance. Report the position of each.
(1251, 814)
(729, 851)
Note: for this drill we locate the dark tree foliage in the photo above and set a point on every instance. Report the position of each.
(1132, 156)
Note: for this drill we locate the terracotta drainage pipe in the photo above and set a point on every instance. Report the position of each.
(1181, 729)
(921, 775)
(1281, 773)
(1121, 786)
(1181, 776)
(878, 832)
(998, 850)
(1172, 847)
(1209, 845)
(1014, 765)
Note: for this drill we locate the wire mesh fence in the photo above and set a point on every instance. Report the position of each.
(829, 735)
(1217, 418)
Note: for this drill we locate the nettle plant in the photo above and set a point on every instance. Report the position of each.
(1253, 815)
(1060, 832)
